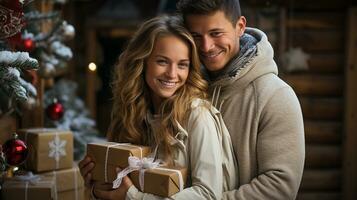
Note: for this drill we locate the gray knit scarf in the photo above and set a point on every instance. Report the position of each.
(248, 50)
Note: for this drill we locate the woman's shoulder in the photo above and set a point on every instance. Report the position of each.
(201, 105)
(202, 111)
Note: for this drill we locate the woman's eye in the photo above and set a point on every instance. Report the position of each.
(161, 62)
(184, 65)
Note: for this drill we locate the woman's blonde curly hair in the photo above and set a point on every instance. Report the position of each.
(131, 93)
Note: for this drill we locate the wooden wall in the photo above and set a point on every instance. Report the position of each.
(320, 31)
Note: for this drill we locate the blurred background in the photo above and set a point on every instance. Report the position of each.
(315, 45)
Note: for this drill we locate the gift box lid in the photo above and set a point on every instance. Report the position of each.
(117, 153)
(49, 148)
(66, 179)
(161, 181)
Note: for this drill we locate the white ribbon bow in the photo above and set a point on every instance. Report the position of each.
(29, 177)
(136, 163)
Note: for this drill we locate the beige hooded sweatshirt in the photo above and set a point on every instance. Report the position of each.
(264, 119)
(204, 147)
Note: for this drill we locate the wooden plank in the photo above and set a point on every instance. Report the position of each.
(326, 63)
(320, 85)
(323, 132)
(321, 179)
(315, 195)
(315, 41)
(350, 142)
(316, 20)
(323, 156)
(317, 5)
(322, 108)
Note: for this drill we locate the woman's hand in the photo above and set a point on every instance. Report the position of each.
(102, 192)
(85, 167)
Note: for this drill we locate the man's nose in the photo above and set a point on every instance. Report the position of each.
(206, 44)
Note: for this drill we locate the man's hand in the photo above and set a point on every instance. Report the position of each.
(86, 166)
(103, 191)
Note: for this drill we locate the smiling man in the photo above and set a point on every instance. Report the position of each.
(262, 113)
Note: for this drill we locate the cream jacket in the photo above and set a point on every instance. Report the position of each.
(205, 148)
(264, 119)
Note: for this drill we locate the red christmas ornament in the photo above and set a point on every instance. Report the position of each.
(29, 44)
(55, 111)
(15, 151)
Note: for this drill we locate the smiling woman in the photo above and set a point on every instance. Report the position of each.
(159, 101)
(167, 68)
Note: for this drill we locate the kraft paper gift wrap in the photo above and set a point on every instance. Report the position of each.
(49, 148)
(43, 188)
(161, 181)
(69, 183)
(108, 156)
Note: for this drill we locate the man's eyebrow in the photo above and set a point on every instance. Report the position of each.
(211, 30)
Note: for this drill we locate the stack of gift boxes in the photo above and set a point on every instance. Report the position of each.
(50, 158)
(160, 180)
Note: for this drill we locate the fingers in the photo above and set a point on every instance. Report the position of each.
(86, 165)
(126, 183)
(88, 180)
(103, 186)
(102, 194)
(84, 161)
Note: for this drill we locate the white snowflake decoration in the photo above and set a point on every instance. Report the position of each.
(57, 148)
(295, 59)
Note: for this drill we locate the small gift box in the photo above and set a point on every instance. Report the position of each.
(109, 155)
(37, 187)
(161, 181)
(69, 183)
(49, 148)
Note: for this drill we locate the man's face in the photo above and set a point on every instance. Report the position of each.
(216, 37)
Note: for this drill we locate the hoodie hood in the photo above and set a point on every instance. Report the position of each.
(255, 57)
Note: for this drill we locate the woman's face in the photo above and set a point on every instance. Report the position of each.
(167, 67)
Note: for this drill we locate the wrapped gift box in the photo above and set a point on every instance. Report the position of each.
(43, 189)
(109, 155)
(160, 181)
(49, 148)
(69, 183)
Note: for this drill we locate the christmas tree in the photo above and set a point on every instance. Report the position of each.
(14, 64)
(42, 35)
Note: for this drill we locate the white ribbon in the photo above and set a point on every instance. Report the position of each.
(75, 183)
(178, 172)
(55, 175)
(136, 163)
(107, 153)
(29, 178)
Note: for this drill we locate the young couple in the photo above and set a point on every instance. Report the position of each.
(160, 100)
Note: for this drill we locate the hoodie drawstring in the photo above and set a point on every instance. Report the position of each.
(215, 97)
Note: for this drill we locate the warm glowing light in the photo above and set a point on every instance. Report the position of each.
(92, 66)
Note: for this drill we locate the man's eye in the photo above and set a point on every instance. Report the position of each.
(216, 34)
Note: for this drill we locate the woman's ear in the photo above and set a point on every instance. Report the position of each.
(240, 25)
